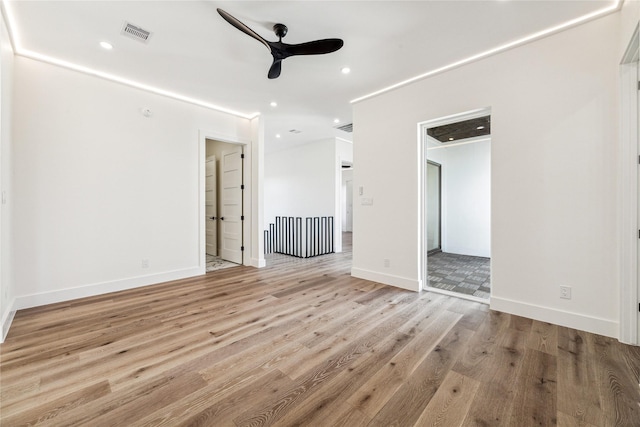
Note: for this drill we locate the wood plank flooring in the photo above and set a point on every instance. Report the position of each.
(302, 343)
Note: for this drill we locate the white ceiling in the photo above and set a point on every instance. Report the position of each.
(195, 53)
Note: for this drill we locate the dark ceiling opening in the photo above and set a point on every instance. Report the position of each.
(471, 128)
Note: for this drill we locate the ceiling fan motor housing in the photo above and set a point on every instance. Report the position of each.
(280, 30)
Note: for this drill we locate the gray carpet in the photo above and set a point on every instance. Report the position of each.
(464, 274)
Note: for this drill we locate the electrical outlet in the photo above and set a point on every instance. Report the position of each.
(145, 263)
(387, 263)
(565, 292)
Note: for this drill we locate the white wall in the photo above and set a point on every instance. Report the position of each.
(7, 290)
(629, 17)
(98, 187)
(305, 181)
(299, 181)
(554, 105)
(255, 196)
(466, 197)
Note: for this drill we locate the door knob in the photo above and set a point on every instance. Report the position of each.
(222, 218)
(212, 217)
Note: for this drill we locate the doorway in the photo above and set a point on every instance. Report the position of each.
(457, 205)
(434, 211)
(224, 215)
(629, 187)
(347, 206)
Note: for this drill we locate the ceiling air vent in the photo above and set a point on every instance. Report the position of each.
(135, 32)
(346, 128)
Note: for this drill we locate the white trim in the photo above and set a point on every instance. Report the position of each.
(388, 279)
(632, 53)
(457, 295)
(19, 50)
(614, 7)
(258, 263)
(7, 17)
(5, 324)
(203, 135)
(202, 224)
(255, 195)
(422, 184)
(62, 295)
(422, 204)
(454, 118)
(94, 289)
(132, 83)
(628, 193)
(459, 142)
(591, 324)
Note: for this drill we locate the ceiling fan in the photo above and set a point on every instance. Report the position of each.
(280, 50)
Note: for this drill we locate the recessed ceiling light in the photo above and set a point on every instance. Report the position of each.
(336, 120)
(480, 127)
(450, 139)
(346, 70)
(277, 135)
(273, 104)
(106, 45)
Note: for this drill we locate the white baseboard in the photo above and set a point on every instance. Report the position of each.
(7, 318)
(388, 279)
(456, 294)
(578, 321)
(467, 251)
(258, 263)
(60, 295)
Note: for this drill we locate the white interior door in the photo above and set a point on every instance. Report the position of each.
(210, 206)
(349, 206)
(231, 206)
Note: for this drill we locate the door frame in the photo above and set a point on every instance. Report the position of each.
(226, 253)
(422, 186)
(348, 205)
(629, 211)
(203, 135)
(431, 162)
(344, 199)
(212, 158)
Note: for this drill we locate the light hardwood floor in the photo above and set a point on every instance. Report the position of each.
(303, 343)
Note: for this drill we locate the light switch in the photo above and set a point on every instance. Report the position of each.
(361, 190)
